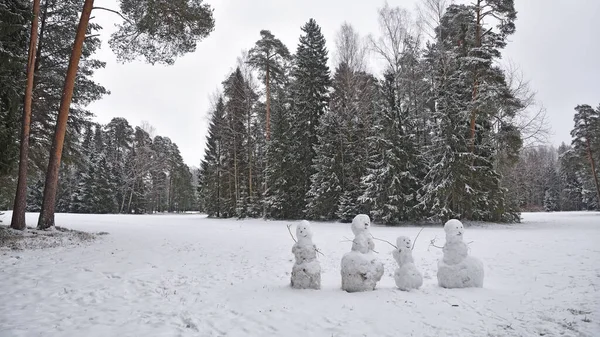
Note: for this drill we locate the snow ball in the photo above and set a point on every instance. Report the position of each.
(360, 223)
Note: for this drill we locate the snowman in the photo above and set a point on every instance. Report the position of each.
(306, 272)
(407, 276)
(457, 269)
(360, 268)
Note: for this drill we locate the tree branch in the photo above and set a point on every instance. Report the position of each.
(113, 11)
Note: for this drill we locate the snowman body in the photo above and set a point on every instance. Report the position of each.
(306, 272)
(407, 276)
(361, 270)
(457, 269)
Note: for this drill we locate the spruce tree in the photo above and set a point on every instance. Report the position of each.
(310, 99)
(14, 23)
(15, 18)
(211, 187)
(392, 180)
(280, 158)
(235, 137)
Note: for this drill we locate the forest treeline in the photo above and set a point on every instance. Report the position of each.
(445, 131)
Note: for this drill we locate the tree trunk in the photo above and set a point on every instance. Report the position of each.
(38, 56)
(46, 218)
(476, 80)
(248, 117)
(268, 105)
(593, 166)
(18, 216)
(131, 197)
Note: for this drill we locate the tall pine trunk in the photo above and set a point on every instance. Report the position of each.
(476, 80)
(18, 216)
(268, 104)
(46, 218)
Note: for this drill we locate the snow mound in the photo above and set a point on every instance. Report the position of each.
(360, 272)
(31, 238)
(465, 274)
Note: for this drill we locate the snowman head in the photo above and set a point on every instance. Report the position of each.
(360, 223)
(303, 231)
(403, 243)
(454, 228)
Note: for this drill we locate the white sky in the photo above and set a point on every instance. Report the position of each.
(556, 45)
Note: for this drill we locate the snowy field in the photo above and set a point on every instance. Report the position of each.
(185, 275)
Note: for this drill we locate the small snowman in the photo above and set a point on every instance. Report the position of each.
(407, 276)
(457, 269)
(360, 268)
(306, 272)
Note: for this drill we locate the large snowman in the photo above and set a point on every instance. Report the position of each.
(306, 272)
(360, 268)
(457, 269)
(407, 276)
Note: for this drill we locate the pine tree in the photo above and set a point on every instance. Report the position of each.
(269, 55)
(586, 142)
(463, 181)
(310, 99)
(157, 30)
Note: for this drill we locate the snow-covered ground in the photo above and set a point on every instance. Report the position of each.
(185, 275)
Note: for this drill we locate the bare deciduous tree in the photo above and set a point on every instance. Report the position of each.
(531, 119)
(429, 15)
(395, 25)
(350, 48)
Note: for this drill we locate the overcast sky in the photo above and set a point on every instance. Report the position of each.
(556, 45)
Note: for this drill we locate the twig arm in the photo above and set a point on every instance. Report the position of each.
(416, 237)
(432, 243)
(292, 235)
(389, 243)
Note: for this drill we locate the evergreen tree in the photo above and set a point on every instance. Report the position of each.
(156, 30)
(586, 142)
(280, 158)
(392, 180)
(570, 179)
(341, 152)
(551, 194)
(120, 134)
(310, 99)
(269, 56)
(140, 164)
(14, 25)
(211, 187)
(235, 135)
(462, 181)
